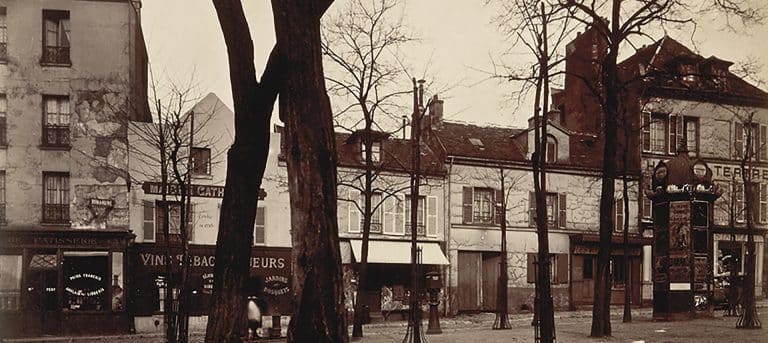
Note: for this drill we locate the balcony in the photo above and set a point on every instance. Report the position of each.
(56, 213)
(56, 56)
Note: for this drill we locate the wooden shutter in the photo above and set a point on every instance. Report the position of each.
(562, 268)
(467, 205)
(259, 226)
(389, 215)
(674, 133)
(399, 215)
(763, 143)
(431, 216)
(646, 131)
(160, 209)
(738, 140)
(191, 222)
(497, 199)
(149, 220)
(342, 211)
(354, 211)
(562, 209)
(531, 268)
(764, 203)
(532, 209)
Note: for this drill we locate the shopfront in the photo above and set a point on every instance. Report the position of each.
(63, 282)
(270, 282)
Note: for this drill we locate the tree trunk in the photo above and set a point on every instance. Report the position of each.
(748, 318)
(246, 161)
(502, 302)
(362, 277)
(311, 160)
(625, 208)
(601, 310)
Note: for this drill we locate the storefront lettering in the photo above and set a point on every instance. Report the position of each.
(154, 260)
(735, 171)
(65, 241)
(276, 285)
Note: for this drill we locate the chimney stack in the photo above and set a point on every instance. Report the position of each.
(436, 112)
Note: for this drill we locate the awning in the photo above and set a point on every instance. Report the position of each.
(399, 252)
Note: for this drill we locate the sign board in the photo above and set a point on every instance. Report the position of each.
(201, 191)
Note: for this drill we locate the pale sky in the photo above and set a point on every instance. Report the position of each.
(457, 43)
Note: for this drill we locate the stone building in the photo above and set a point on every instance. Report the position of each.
(475, 158)
(212, 133)
(677, 99)
(69, 71)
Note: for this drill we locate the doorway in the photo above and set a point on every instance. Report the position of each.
(42, 281)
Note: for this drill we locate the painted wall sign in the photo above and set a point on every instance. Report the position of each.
(202, 191)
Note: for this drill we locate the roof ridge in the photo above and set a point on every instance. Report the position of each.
(482, 124)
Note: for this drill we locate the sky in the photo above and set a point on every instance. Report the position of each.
(458, 43)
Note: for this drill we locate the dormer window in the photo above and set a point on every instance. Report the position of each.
(689, 72)
(375, 151)
(551, 149)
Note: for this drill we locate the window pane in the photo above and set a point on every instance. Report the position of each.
(10, 282)
(118, 296)
(86, 279)
(51, 32)
(64, 32)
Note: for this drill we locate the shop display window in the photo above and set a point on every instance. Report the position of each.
(118, 294)
(86, 278)
(10, 282)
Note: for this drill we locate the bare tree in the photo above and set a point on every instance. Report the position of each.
(627, 19)
(361, 42)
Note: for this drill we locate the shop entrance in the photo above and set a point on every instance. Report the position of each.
(43, 315)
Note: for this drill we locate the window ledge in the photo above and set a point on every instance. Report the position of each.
(55, 147)
(62, 225)
(56, 65)
(202, 176)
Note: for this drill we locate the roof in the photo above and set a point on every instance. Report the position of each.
(475, 141)
(660, 60)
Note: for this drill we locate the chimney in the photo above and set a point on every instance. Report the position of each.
(436, 112)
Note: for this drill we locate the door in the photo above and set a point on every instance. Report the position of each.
(42, 305)
(470, 268)
(490, 280)
(583, 278)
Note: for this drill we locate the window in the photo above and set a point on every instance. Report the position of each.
(654, 127)
(394, 215)
(3, 35)
(3, 120)
(56, 121)
(757, 138)
(56, 198)
(482, 206)
(646, 202)
(618, 271)
(618, 218)
(149, 220)
(740, 209)
(551, 149)
(376, 216)
(556, 209)
(684, 129)
(589, 267)
(56, 37)
(174, 222)
(259, 227)
(356, 210)
(764, 203)
(420, 216)
(10, 282)
(558, 268)
(86, 278)
(201, 161)
(689, 72)
(2, 196)
(375, 151)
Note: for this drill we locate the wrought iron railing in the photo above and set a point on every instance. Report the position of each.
(56, 55)
(56, 213)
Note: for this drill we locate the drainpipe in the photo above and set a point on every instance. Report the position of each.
(447, 225)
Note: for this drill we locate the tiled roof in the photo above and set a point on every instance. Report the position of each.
(475, 141)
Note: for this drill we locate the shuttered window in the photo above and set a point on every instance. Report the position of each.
(432, 216)
(466, 213)
(557, 209)
(481, 205)
(149, 220)
(558, 268)
(354, 211)
(618, 218)
(259, 227)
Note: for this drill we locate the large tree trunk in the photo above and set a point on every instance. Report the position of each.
(311, 160)
(362, 278)
(246, 161)
(601, 310)
(749, 318)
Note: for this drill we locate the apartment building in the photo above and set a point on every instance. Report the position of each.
(67, 93)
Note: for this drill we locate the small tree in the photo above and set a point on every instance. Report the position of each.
(361, 43)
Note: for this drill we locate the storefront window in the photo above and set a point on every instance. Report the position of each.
(118, 296)
(10, 282)
(86, 278)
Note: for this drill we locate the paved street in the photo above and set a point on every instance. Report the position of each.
(571, 327)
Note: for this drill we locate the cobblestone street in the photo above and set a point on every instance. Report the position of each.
(571, 327)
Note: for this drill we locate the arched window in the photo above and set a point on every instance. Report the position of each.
(551, 149)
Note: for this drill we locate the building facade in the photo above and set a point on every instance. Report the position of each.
(476, 158)
(65, 101)
(211, 133)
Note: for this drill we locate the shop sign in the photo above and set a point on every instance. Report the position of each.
(207, 283)
(729, 172)
(276, 285)
(202, 191)
(700, 269)
(48, 241)
(85, 278)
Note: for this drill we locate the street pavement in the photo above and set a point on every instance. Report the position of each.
(571, 326)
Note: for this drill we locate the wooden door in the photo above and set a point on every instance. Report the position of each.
(470, 264)
(490, 280)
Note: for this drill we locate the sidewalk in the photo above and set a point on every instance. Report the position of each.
(475, 328)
